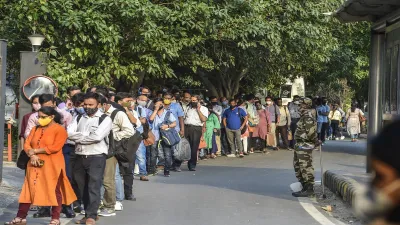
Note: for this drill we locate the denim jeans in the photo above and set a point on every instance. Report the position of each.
(141, 159)
(354, 136)
(151, 160)
(119, 188)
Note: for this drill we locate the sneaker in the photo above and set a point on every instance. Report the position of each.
(107, 212)
(231, 156)
(336, 139)
(342, 138)
(119, 206)
(241, 155)
(144, 178)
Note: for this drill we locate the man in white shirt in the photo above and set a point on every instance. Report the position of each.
(195, 116)
(89, 136)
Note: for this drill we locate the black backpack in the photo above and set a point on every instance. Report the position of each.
(111, 142)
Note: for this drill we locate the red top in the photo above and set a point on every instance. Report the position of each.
(24, 124)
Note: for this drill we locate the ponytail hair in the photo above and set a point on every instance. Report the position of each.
(50, 111)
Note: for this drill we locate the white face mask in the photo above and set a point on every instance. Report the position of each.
(371, 203)
(269, 102)
(296, 102)
(141, 103)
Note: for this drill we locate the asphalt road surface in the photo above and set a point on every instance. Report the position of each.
(253, 190)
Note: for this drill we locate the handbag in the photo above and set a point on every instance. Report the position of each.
(22, 161)
(169, 136)
(203, 143)
(148, 136)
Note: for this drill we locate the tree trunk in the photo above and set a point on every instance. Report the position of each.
(223, 83)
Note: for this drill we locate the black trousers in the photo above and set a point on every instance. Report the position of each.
(88, 174)
(126, 171)
(335, 128)
(283, 131)
(224, 142)
(193, 134)
(324, 128)
(166, 150)
(293, 128)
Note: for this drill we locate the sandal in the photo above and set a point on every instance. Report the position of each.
(55, 222)
(16, 221)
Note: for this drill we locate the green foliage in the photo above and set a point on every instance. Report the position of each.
(220, 45)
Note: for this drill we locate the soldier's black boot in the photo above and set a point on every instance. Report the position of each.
(42, 212)
(307, 192)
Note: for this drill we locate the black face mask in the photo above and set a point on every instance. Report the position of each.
(90, 111)
(214, 103)
(177, 97)
(233, 106)
(194, 104)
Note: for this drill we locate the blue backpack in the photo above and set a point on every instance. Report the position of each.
(169, 136)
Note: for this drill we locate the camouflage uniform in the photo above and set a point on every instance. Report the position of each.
(306, 136)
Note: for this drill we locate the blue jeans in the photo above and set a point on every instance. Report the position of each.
(67, 149)
(119, 188)
(141, 159)
(354, 136)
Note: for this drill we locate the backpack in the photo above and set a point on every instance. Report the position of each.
(170, 136)
(110, 143)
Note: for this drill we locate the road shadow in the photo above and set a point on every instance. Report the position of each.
(260, 181)
(346, 146)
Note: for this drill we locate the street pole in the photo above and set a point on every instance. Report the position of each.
(376, 79)
(3, 66)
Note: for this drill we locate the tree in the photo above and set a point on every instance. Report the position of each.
(104, 41)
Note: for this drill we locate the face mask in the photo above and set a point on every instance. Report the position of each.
(371, 203)
(279, 103)
(126, 104)
(258, 107)
(92, 111)
(233, 106)
(214, 103)
(142, 103)
(44, 121)
(225, 103)
(132, 104)
(194, 104)
(167, 101)
(36, 106)
(269, 102)
(80, 110)
(177, 97)
(296, 102)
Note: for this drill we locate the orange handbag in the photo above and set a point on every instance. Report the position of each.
(203, 143)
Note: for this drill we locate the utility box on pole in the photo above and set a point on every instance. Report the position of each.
(3, 67)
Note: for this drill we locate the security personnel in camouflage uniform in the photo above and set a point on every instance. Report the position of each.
(306, 140)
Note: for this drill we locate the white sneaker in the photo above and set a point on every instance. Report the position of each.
(119, 206)
(337, 139)
(231, 156)
(342, 138)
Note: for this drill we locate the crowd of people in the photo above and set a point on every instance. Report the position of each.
(88, 147)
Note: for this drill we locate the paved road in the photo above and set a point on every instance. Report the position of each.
(254, 190)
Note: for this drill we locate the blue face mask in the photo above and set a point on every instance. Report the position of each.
(80, 110)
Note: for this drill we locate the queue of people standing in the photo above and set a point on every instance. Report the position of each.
(87, 147)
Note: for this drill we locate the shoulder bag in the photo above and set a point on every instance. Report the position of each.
(169, 136)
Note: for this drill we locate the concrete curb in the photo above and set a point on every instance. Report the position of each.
(340, 185)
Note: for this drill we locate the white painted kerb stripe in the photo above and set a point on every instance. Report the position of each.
(307, 204)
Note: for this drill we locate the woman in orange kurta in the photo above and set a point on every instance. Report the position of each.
(46, 184)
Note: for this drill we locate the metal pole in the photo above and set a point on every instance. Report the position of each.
(376, 79)
(3, 66)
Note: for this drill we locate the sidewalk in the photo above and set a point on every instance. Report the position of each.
(10, 188)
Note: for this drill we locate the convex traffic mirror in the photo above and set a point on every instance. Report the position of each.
(38, 85)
